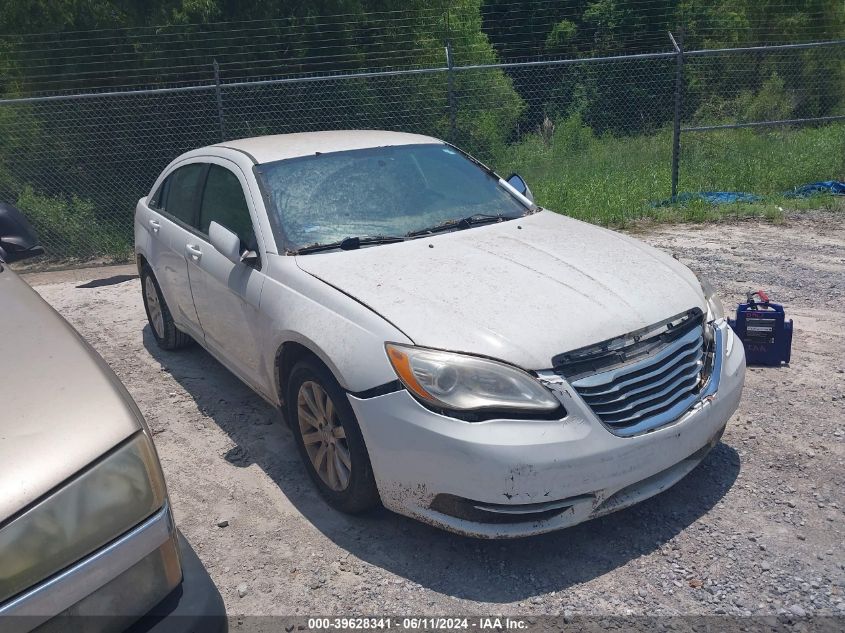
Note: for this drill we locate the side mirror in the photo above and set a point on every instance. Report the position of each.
(517, 182)
(17, 237)
(227, 243)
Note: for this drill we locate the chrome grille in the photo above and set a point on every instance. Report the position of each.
(655, 388)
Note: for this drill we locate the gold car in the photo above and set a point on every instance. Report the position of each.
(85, 523)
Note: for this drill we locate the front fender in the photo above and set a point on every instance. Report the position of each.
(346, 335)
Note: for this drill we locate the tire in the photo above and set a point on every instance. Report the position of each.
(356, 492)
(165, 332)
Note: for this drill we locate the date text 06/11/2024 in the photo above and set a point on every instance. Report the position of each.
(416, 623)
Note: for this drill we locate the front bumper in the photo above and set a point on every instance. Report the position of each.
(542, 475)
(195, 605)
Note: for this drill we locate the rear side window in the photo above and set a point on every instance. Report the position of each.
(179, 192)
(157, 201)
(223, 201)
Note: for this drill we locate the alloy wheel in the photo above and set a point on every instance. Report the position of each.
(323, 435)
(154, 307)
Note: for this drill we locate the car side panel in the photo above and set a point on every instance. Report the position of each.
(154, 239)
(347, 336)
(171, 269)
(226, 295)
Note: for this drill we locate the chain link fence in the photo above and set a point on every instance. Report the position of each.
(607, 139)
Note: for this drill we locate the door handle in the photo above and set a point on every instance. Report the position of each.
(193, 251)
(154, 224)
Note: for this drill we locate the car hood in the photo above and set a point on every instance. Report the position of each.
(522, 291)
(62, 407)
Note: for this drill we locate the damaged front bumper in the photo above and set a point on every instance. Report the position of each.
(510, 478)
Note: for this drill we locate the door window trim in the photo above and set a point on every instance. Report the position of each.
(162, 209)
(206, 161)
(257, 265)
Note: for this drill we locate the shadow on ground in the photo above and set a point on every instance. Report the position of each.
(487, 571)
(108, 281)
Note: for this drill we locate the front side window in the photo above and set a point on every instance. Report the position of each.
(179, 192)
(223, 201)
(384, 191)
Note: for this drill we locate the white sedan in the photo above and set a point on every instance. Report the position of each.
(437, 342)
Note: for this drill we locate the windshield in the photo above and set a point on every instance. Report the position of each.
(383, 191)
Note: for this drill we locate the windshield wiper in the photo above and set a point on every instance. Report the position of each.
(348, 244)
(462, 223)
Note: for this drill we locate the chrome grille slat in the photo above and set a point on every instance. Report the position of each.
(637, 396)
(635, 419)
(611, 375)
(691, 376)
(663, 404)
(661, 374)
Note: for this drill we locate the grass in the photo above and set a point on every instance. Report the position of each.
(614, 180)
(70, 229)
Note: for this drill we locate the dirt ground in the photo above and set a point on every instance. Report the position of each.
(756, 529)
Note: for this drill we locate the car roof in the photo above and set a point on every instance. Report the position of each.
(265, 149)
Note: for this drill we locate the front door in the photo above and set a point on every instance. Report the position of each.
(169, 220)
(226, 294)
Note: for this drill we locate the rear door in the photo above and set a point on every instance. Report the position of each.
(226, 294)
(173, 212)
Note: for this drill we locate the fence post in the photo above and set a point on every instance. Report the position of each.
(450, 86)
(679, 95)
(221, 122)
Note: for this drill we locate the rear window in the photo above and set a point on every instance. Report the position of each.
(179, 192)
(161, 194)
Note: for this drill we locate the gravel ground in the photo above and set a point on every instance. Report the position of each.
(756, 529)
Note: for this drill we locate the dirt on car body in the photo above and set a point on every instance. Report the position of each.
(758, 529)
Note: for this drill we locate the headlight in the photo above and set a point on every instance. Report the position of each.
(106, 500)
(467, 383)
(715, 309)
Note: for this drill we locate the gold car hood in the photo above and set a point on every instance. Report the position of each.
(61, 407)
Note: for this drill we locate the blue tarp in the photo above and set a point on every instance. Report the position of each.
(828, 186)
(834, 187)
(713, 197)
